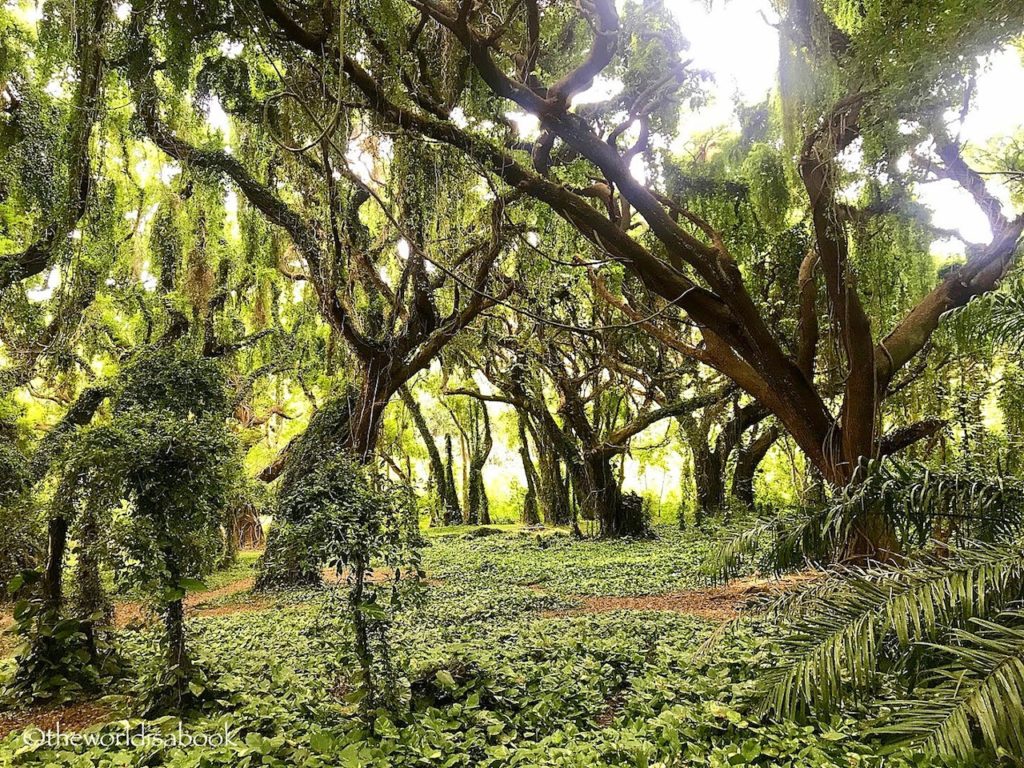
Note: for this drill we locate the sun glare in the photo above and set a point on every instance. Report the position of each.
(737, 44)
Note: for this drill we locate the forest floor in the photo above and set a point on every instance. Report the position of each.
(522, 649)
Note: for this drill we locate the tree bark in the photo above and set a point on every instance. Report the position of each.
(602, 496)
(448, 479)
(57, 543)
(553, 490)
(91, 599)
(748, 459)
(709, 480)
(480, 445)
(530, 514)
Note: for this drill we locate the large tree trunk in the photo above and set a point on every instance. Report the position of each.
(748, 459)
(477, 506)
(602, 498)
(873, 538)
(709, 480)
(553, 495)
(90, 598)
(57, 544)
(710, 461)
(350, 423)
(448, 479)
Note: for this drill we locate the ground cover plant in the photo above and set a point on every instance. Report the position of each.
(494, 674)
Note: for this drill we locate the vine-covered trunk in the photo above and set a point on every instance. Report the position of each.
(478, 443)
(553, 491)
(453, 513)
(364, 654)
(478, 505)
(446, 501)
(91, 599)
(708, 479)
(601, 496)
(174, 625)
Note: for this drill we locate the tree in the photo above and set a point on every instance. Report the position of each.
(447, 510)
(392, 331)
(352, 521)
(679, 257)
(598, 414)
(167, 454)
(93, 24)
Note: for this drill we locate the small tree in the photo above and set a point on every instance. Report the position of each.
(161, 473)
(353, 520)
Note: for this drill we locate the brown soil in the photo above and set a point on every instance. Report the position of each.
(72, 717)
(135, 614)
(199, 599)
(715, 604)
(612, 707)
(128, 613)
(249, 606)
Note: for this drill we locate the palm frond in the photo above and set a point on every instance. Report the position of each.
(916, 499)
(1006, 319)
(736, 555)
(837, 630)
(794, 539)
(980, 691)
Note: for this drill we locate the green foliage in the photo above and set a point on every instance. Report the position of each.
(169, 380)
(491, 680)
(769, 191)
(932, 626)
(21, 539)
(14, 472)
(20, 528)
(978, 687)
(176, 477)
(353, 521)
(58, 658)
(917, 502)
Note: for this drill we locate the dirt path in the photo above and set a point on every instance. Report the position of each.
(199, 599)
(70, 717)
(130, 613)
(715, 604)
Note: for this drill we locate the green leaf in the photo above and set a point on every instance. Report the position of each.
(444, 677)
